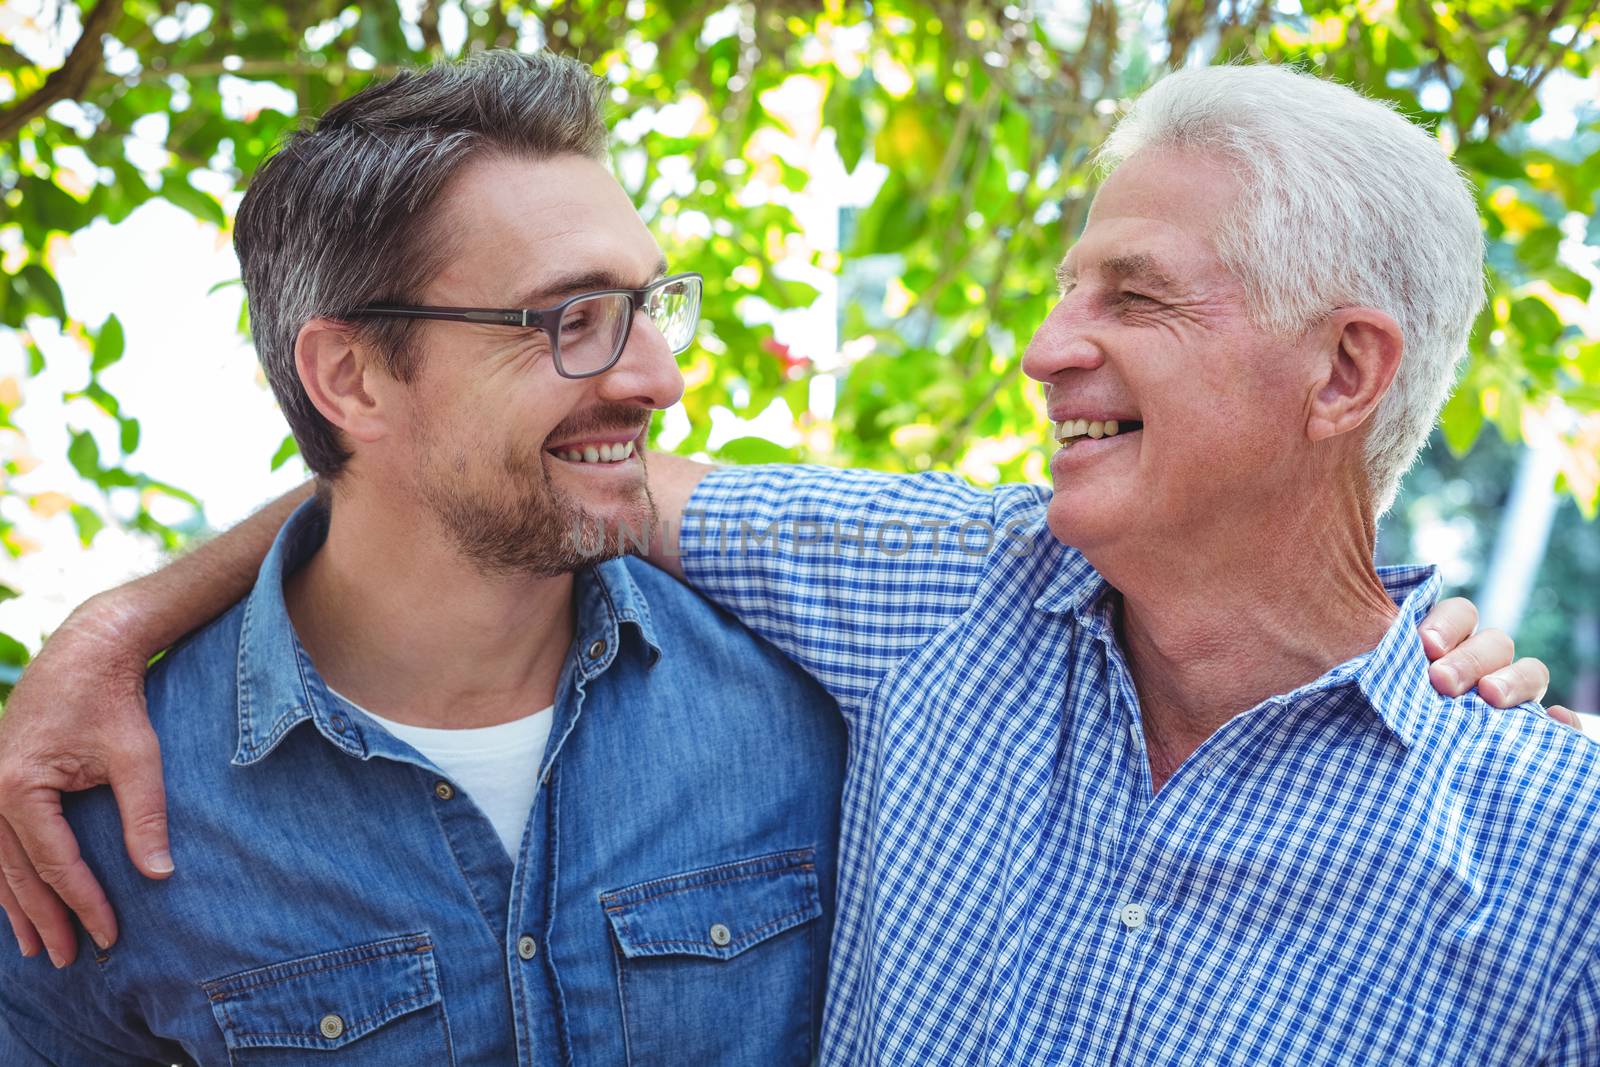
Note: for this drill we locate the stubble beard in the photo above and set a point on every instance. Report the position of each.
(523, 526)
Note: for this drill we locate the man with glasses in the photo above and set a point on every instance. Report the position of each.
(447, 787)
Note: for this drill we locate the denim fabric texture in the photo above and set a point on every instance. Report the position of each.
(335, 902)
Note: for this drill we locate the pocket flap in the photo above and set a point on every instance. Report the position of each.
(716, 912)
(328, 1000)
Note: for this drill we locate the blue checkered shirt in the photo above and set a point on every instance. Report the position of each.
(1360, 871)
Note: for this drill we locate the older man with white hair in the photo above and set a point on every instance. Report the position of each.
(1148, 769)
(1165, 782)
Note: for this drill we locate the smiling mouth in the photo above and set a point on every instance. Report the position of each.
(1070, 431)
(596, 453)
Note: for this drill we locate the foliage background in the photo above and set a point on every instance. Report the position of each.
(971, 124)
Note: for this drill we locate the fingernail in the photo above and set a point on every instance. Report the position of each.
(1450, 678)
(1429, 632)
(101, 940)
(160, 862)
(29, 953)
(56, 959)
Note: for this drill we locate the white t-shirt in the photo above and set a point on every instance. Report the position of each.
(497, 766)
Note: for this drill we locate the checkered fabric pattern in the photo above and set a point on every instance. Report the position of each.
(1359, 871)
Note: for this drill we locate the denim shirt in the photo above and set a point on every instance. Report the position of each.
(337, 900)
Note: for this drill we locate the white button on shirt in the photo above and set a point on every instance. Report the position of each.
(1132, 915)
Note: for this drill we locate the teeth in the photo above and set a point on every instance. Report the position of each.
(597, 453)
(1072, 429)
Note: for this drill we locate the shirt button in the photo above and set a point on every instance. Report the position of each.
(331, 1026)
(443, 790)
(597, 649)
(337, 722)
(527, 947)
(1132, 915)
(720, 936)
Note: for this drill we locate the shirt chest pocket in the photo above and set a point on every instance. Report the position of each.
(722, 965)
(374, 1004)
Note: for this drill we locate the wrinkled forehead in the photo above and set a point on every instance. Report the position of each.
(1156, 220)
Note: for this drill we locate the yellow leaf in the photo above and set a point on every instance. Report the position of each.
(46, 505)
(18, 543)
(914, 438)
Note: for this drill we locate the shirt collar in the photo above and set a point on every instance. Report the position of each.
(1392, 678)
(279, 688)
(607, 598)
(1074, 589)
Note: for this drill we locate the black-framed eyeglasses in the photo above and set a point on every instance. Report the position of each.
(587, 332)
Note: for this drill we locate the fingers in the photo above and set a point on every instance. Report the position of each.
(37, 901)
(142, 799)
(1447, 625)
(28, 940)
(1480, 655)
(1565, 715)
(51, 859)
(1524, 680)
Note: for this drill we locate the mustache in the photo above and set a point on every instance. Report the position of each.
(603, 418)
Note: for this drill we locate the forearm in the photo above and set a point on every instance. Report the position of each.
(159, 608)
(672, 482)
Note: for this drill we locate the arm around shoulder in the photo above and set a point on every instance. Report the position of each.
(77, 719)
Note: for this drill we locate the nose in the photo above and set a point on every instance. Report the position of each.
(647, 372)
(1064, 341)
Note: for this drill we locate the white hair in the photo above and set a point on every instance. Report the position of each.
(1345, 203)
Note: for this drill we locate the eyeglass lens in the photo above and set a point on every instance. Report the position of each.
(593, 330)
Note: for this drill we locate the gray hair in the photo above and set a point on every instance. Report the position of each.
(1345, 203)
(342, 215)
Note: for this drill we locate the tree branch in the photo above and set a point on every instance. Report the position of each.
(69, 80)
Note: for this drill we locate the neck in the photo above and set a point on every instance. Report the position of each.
(1242, 612)
(396, 621)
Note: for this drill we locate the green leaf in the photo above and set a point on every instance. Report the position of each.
(287, 448)
(1461, 419)
(755, 450)
(845, 115)
(1570, 281)
(1487, 157)
(108, 345)
(41, 284)
(201, 205)
(1536, 320)
(84, 455)
(13, 653)
(88, 523)
(1538, 249)
(129, 435)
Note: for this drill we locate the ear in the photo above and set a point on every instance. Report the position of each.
(1362, 355)
(338, 376)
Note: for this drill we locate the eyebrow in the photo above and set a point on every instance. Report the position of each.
(1139, 266)
(554, 290)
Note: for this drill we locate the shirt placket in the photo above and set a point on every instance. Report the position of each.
(1146, 880)
(540, 1015)
(1112, 925)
